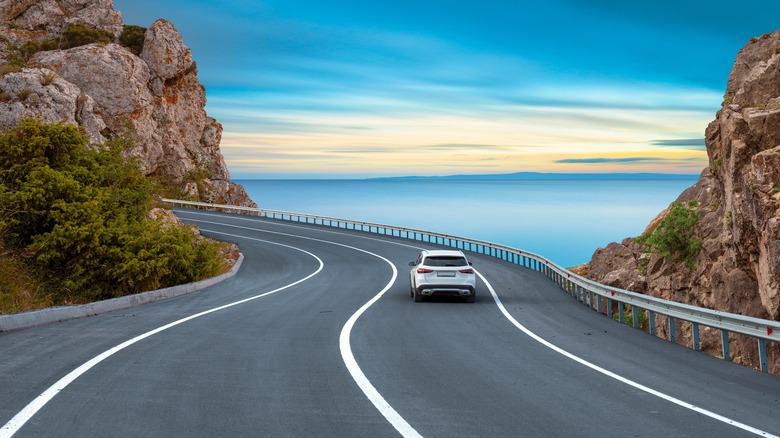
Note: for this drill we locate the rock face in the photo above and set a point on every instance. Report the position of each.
(155, 97)
(738, 195)
(53, 16)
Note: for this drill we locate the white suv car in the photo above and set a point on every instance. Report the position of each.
(442, 273)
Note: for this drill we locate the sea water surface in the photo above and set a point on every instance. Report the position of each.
(565, 220)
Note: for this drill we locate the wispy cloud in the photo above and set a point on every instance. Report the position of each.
(314, 87)
(688, 143)
(628, 160)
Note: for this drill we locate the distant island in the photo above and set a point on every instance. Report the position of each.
(555, 176)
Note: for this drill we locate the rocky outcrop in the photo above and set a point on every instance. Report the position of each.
(155, 97)
(53, 16)
(39, 93)
(738, 199)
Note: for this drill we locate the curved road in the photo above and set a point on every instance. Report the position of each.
(317, 336)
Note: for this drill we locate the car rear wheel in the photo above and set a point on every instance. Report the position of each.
(417, 296)
(471, 298)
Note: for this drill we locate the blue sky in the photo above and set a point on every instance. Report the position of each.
(326, 88)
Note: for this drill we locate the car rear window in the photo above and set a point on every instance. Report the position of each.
(445, 261)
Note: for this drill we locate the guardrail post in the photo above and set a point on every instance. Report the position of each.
(695, 330)
(598, 303)
(672, 337)
(635, 316)
(620, 310)
(724, 339)
(762, 355)
(651, 321)
(609, 307)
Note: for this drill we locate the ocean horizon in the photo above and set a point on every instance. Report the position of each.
(564, 219)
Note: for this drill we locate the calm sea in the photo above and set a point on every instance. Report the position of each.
(564, 220)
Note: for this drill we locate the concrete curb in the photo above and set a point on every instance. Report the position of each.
(18, 321)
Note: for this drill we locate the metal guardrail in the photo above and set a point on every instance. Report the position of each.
(595, 295)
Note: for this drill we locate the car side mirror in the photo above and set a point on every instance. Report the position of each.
(412, 263)
(471, 264)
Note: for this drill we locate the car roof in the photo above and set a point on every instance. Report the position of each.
(444, 253)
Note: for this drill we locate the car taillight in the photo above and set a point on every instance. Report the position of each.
(424, 270)
(466, 271)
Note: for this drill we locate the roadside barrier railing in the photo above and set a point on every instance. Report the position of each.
(598, 297)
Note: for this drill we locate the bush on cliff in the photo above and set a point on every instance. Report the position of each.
(76, 35)
(81, 216)
(675, 235)
(132, 37)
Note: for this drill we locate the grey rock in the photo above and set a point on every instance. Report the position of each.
(53, 16)
(58, 101)
(164, 51)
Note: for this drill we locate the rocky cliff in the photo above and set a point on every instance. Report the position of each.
(155, 96)
(737, 199)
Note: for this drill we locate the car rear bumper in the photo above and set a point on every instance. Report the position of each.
(459, 290)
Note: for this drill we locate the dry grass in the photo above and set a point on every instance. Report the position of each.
(20, 288)
(228, 254)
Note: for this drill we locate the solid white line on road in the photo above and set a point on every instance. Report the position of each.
(561, 351)
(617, 377)
(362, 381)
(379, 402)
(303, 226)
(39, 402)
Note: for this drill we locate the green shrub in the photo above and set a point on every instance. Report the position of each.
(642, 265)
(30, 48)
(78, 35)
(81, 214)
(132, 37)
(675, 235)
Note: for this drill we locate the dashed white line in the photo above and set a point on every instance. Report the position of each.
(21, 418)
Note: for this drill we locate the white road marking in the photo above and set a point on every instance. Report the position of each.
(379, 402)
(617, 377)
(581, 361)
(325, 228)
(534, 336)
(39, 402)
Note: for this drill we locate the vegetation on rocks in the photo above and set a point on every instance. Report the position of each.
(675, 235)
(76, 35)
(132, 37)
(74, 223)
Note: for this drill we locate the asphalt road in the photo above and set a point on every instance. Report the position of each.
(319, 337)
